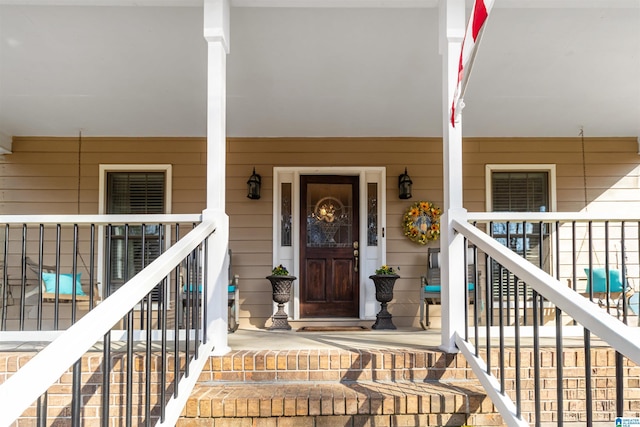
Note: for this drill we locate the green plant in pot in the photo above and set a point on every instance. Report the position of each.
(281, 283)
(280, 270)
(384, 280)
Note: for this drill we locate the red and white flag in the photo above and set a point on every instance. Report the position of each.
(479, 15)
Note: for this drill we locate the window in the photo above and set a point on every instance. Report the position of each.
(131, 248)
(518, 190)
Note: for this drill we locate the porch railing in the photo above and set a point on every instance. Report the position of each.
(523, 308)
(127, 345)
(99, 252)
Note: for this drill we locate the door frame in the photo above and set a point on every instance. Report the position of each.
(370, 256)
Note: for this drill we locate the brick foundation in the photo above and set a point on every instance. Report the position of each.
(349, 388)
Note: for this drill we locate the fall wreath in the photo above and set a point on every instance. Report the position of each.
(421, 222)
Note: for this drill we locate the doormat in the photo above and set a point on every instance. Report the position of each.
(333, 329)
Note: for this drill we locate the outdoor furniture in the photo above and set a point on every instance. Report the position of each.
(191, 282)
(430, 287)
(60, 286)
(616, 292)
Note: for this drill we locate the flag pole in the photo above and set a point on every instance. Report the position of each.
(471, 41)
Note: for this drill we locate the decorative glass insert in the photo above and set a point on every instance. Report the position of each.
(285, 214)
(372, 214)
(329, 216)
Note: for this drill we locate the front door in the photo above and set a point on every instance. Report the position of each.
(329, 240)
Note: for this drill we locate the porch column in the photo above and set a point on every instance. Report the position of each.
(216, 33)
(452, 27)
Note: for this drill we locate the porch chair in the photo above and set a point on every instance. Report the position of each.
(430, 287)
(62, 284)
(617, 289)
(194, 282)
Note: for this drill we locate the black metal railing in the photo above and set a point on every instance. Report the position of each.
(549, 365)
(85, 264)
(155, 338)
(136, 373)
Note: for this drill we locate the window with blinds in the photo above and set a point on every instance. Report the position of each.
(520, 191)
(132, 248)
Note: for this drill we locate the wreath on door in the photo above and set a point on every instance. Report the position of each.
(421, 222)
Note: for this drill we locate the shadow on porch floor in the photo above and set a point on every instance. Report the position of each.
(262, 339)
(406, 338)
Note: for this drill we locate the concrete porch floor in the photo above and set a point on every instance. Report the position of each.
(401, 338)
(261, 339)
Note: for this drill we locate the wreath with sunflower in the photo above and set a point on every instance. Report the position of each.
(421, 222)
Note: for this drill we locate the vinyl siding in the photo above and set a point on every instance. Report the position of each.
(41, 177)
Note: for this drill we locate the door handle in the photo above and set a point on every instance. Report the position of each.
(356, 254)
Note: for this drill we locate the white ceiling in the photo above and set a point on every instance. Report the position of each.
(544, 68)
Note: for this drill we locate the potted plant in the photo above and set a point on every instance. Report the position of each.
(281, 283)
(384, 280)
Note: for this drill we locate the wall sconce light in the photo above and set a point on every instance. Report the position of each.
(253, 186)
(404, 185)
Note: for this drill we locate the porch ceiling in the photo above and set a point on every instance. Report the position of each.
(545, 68)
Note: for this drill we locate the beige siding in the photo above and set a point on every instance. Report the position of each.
(611, 165)
(60, 175)
(41, 176)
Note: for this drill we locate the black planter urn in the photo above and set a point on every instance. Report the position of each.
(384, 293)
(281, 286)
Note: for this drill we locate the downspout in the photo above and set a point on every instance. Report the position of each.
(452, 27)
(216, 33)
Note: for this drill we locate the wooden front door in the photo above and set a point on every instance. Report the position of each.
(329, 236)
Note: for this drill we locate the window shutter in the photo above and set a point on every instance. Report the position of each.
(520, 191)
(136, 192)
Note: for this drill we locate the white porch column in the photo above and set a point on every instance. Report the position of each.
(452, 27)
(216, 33)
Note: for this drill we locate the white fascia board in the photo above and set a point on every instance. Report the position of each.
(155, 3)
(524, 4)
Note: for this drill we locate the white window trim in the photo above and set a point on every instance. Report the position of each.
(550, 168)
(104, 169)
(102, 200)
(370, 256)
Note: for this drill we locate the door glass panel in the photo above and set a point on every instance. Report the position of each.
(372, 214)
(329, 219)
(285, 220)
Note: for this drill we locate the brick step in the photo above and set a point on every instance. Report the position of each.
(342, 403)
(338, 387)
(337, 365)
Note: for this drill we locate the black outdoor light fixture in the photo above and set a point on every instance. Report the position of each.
(253, 186)
(404, 185)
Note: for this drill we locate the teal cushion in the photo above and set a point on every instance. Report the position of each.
(437, 288)
(191, 288)
(231, 288)
(599, 280)
(65, 283)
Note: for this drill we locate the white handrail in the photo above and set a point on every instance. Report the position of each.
(20, 390)
(623, 338)
(484, 217)
(99, 219)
